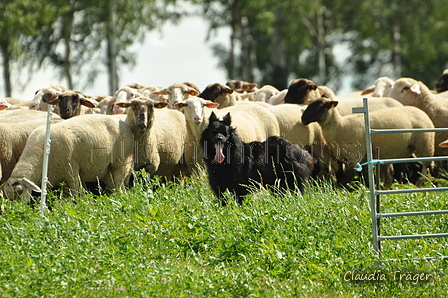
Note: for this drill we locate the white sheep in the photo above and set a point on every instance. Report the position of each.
(37, 103)
(87, 148)
(346, 134)
(411, 92)
(380, 88)
(197, 111)
(264, 94)
(13, 103)
(160, 137)
(178, 92)
(253, 121)
(15, 127)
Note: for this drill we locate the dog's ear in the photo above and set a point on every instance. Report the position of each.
(213, 117)
(227, 119)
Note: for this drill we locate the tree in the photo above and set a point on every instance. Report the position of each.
(399, 38)
(19, 21)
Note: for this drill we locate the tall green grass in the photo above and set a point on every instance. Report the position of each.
(175, 240)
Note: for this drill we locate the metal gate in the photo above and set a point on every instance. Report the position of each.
(375, 192)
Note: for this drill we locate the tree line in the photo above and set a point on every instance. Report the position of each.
(271, 42)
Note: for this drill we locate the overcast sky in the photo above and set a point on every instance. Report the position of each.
(178, 54)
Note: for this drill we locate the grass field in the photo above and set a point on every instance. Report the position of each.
(176, 241)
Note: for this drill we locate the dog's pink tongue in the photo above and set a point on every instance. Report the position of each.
(219, 157)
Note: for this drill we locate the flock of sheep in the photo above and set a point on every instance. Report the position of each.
(106, 138)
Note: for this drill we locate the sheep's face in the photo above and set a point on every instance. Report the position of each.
(193, 109)
(406, 91)
(16, 189)
(317, 111)
(442, 83)
(141, 113)
(383, 86)
(302, 91)
(214, 91)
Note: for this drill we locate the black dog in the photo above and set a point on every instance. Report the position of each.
(233, 165)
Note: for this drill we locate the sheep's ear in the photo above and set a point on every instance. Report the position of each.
(30, 185)
(444, 144)
(2, 107)
(160, 104)
(416, 89)
(211, 105)
(227, 119)
(180, 105)
(333, 103)
(312, 87)
(193, 92)
(50, 98)
(90, 103)
(122, 104)
(368, 90)
(213, 117)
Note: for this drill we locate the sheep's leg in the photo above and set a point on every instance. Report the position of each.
(387, 175)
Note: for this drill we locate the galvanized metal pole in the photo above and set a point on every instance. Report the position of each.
(371, 177)
(46, 156)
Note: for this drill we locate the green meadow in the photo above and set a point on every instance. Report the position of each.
(175, 240)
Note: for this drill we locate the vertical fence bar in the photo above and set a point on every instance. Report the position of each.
(377, 198)
(46, 156)
(371, 176)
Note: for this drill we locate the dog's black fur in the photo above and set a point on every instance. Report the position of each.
(274, 162)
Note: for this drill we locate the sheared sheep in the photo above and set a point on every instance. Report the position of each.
(86, 148)
(160, 137)
(346, 134)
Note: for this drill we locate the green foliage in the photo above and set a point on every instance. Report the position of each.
(174, 240)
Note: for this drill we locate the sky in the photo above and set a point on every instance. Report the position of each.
(177, 54)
